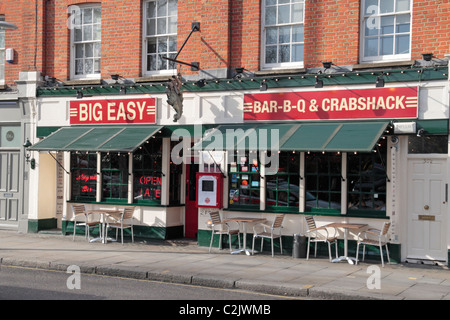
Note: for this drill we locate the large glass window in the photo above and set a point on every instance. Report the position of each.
(160, 30)
(244, 180)
(283, 33)
(83, 167)
(282, 188)
(323, 181)
(115, 176)
(86, 41)
(367, 179)
(386, 30)
(147, 170)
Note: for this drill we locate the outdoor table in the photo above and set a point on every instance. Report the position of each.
(346, 227)
(103, 213)
(244, 221)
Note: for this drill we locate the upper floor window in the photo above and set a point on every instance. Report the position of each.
(85, 41)
(2, 53)
(160, 35)
(283, 33)
(386, 30)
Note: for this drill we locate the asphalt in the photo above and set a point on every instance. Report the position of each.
(183, 261)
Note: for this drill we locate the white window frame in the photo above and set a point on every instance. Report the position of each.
(281, 65)
(145, 39)
(2, 54)
(76, 10)
(370, 16)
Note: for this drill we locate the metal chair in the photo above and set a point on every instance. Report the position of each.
(127, 215)
(319, 234)
(374, 237)
(81, 219)
(268, 232)
(224, 228)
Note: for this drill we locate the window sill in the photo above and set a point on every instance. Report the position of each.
(374, 65)
(80, 82)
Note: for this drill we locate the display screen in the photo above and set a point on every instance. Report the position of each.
(207, 186)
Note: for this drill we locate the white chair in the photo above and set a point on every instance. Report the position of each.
(320, 234)
(374, 237)
(269, 231)
(224, 228)
(125, 221)
(82, 219)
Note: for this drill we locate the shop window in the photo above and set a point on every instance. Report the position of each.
(386, 30)
(115, 176)
(2, 53)
(83, 167)
(283, 33)
(366, 174)
(323, 182)
(282, 188)
(85, 41)
(160, 35)
(147, 170)
(244, 180)
(427, 144)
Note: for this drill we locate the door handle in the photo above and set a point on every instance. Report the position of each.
(426, 207)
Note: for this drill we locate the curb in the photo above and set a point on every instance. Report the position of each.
(270, 287)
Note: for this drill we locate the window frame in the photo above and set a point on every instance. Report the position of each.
(124, 172)
(2, 54)
(363, 38)
(73, 43)
(92, 171)
(281, 65)
(145, 53)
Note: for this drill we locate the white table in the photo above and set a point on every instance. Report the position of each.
(346, 227)
(244, 221)
(104, 213)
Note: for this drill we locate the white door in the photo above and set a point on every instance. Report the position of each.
(9, 188)
(427, 209)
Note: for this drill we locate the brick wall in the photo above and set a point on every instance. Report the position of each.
(230, 34)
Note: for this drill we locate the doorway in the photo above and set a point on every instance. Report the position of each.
(191, 209)
(427, 210)
(9, 188)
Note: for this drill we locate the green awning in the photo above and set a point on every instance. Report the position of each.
(328, 136)
(92, 138)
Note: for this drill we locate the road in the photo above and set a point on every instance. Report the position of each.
(18, 283)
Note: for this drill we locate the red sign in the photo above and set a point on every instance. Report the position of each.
(332, 104)
(120, 111)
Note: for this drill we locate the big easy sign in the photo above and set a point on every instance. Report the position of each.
(332, 104)
(117, 111)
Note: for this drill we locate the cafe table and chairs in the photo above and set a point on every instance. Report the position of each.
(244, 221)
(104, 213)
(81, 218)
(356, 227)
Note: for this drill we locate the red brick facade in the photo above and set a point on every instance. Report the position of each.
(230, 34)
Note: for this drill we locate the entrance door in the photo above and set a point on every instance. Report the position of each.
(191, 209)
(9, 188)
(427, 209)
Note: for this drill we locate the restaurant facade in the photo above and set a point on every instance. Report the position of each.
(283, 120)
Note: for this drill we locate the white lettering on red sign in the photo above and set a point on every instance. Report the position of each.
(113, 111)
(339, 104)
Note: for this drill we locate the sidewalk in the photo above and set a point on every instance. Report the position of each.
(182, 261)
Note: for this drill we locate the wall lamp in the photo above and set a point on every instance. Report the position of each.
(80, 94)
(319, 83)
(263, 86)
(427, 56)
(32, 161)
(380, 82)
(327, 64)
(421, 132)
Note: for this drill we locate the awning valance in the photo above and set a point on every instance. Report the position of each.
(93, 138)
(326, 136)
